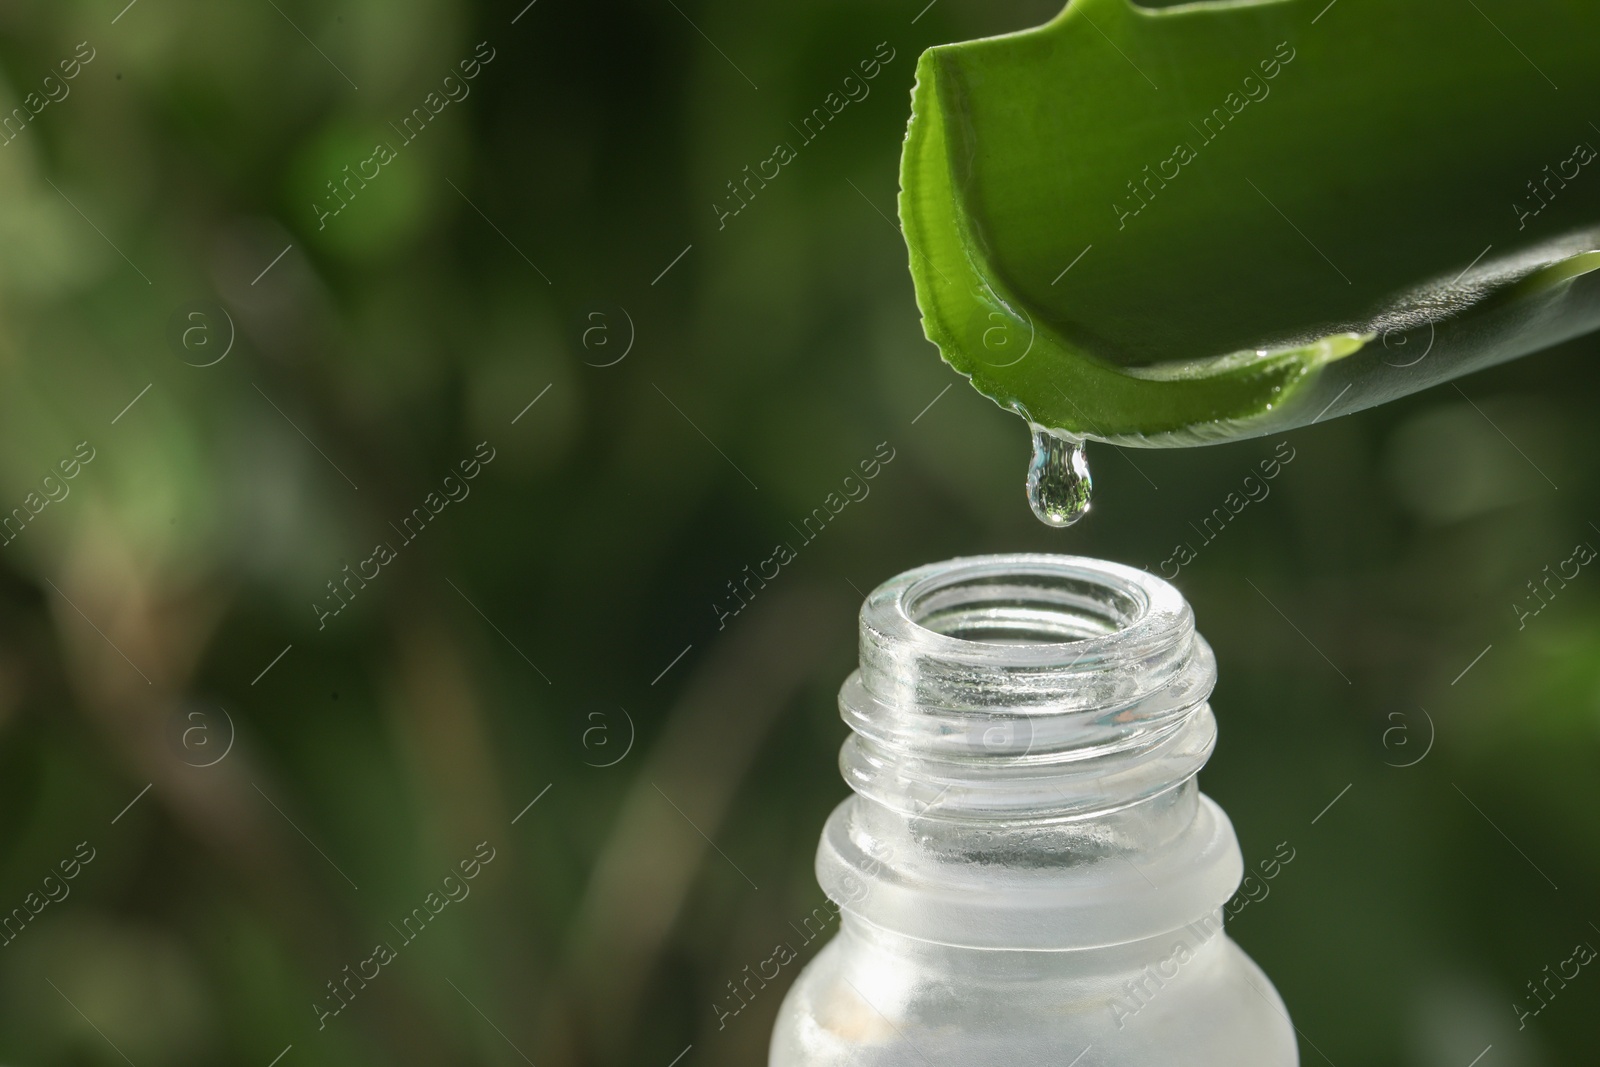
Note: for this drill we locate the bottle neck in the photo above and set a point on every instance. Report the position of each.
(1026, 731)
(1090, 965)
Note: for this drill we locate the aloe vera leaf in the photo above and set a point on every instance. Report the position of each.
(1174, 226)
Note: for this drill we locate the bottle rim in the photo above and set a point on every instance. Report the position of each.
(1025, 631)
(1048, 606)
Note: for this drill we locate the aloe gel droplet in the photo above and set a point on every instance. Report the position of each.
(1058, 477)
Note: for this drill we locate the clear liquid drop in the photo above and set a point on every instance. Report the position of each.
(1058, 478)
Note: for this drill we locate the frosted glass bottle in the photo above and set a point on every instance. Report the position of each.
(1027, 873)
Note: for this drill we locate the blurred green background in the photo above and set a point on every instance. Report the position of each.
(701, 381)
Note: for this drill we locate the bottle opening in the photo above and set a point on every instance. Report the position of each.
(1020, 631)
(1023, 605)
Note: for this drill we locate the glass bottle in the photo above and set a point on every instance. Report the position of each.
(1027, 873)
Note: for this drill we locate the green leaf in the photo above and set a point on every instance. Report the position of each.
(1211, 221)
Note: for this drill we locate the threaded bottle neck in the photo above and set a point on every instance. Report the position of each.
(1025, 689)
(1027, 730)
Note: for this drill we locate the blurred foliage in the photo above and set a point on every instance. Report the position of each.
(564, 605)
